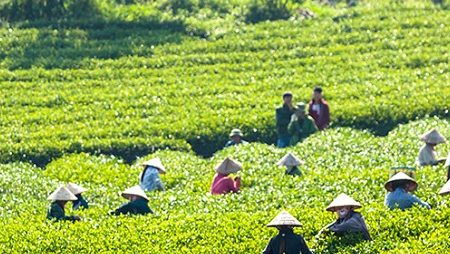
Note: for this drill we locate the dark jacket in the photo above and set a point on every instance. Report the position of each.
(138, 206)
(322, 120)
(352, 223)
(293, 243)
(56, 212)
(80, 203)
(283, 117)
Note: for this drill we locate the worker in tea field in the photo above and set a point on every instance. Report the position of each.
(138, 202)
(301, 125)
(149, 178)
(236, 138)
(445, 189)
(398, 187)
(59, 199)
(319, 109)
(427, 154)
(348, 221)
(77, 191)
(283, 117)
(222, 182)
(286, 241)
(291, 162)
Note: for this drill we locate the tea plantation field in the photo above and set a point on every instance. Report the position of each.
(189, 220)
(130, 89)
(86, 102)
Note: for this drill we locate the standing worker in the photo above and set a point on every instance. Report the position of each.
(301, 125)
(319, 109)
(283, 117)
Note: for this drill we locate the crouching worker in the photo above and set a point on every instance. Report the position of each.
(77, 191)
(427, 154)
(138, 202)
(286, 241)
(291, 162)
(398, 187)
(222, 183)
(59, 199)
(149, 178)
(348, 221)
(301, 125)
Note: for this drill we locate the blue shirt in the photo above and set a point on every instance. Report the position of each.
(400, 198)
(149, 179)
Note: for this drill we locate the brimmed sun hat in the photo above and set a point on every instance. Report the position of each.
(62, 194)
(433, 137)
(445, 189)
(301, 106)
(400, 176)
(236, 132)
(228, 166)
(156, 163)
(75, 189)
(135, 190)
(284, 219)
(343, 201)
(290, 160)
(287, 93)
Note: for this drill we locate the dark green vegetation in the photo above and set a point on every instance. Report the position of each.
(84, 98)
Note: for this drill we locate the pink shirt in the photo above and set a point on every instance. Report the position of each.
(223, 184)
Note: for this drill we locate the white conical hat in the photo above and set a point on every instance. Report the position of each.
(445, 189)
(155, 162)
(284, 219)
(75, 189)
(400, 176)
(433, 137)
(447, 162)
(135, 190)
(341, 201)
(62, 194)
(228, 166)
(290, 160)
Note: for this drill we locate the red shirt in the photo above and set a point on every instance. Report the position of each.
(224, 184)
(321, 118)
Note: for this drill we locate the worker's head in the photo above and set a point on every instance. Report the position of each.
(431, 144)
(404, 184)
(284, 227)
(287, 98)
(317, 93)
(236, 136)
(342, 212)
(300, 110)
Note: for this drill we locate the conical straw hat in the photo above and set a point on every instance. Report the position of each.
(433, 137)
(75, 189)
(228, 166)
(155, 162)
(445, 189)
(341, 201)
(400, 176)
(290, 160)
(62, 194)
(284, 219)
(135, 190)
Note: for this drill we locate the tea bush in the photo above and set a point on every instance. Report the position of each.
(189, 220)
